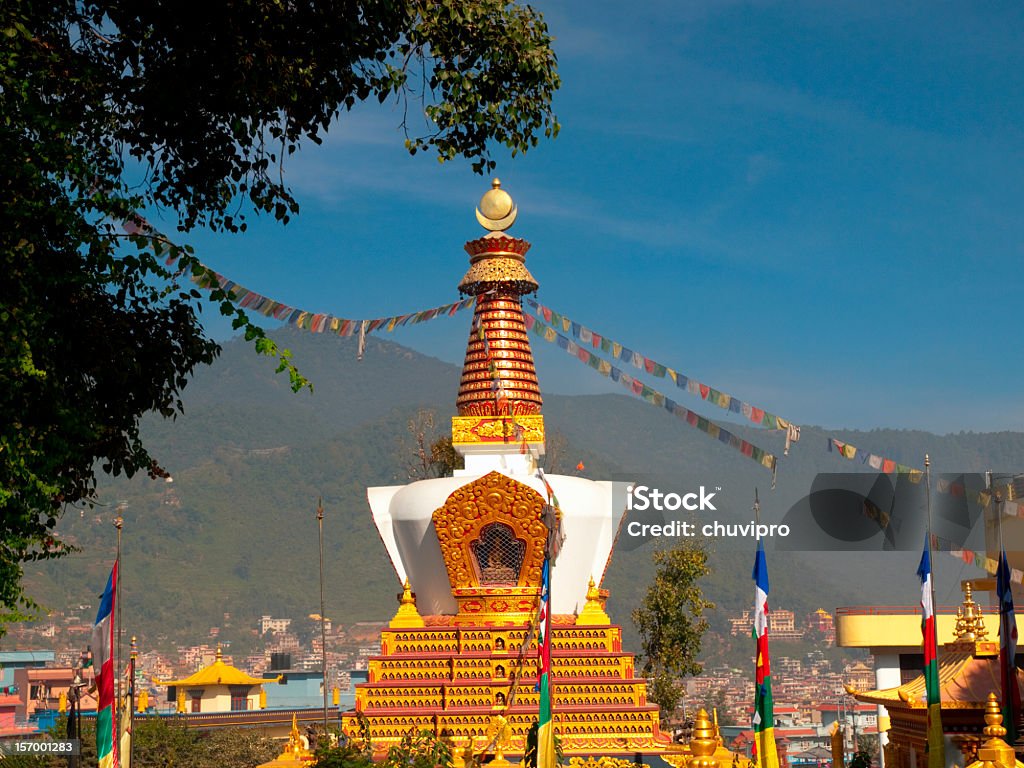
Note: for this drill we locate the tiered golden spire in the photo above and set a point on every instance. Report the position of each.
(994, 752)
(498, 375)
(703, 742)
(970, 624)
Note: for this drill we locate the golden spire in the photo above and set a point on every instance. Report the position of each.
(498, 375)
(407, 617)
(970, 624)
(593, 611)
(995, 750)
(703, 742)
(220, 656)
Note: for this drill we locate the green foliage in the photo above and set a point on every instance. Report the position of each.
(860, 759)
(112, 107)
(420, 750)
(671, 621)
(416, 750)
(163, 743)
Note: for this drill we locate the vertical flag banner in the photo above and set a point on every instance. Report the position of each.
(764, 710)
(546, 757)
(103, 651)
(1007, 650)
(127, 716)
(935, 748)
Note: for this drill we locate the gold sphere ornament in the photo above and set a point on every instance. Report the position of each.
(497, 211)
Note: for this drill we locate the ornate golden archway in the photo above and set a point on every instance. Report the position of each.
(492, 539)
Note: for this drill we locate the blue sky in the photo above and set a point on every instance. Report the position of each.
(815, 207)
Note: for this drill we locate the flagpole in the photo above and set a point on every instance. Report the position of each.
(928, 507)
(131, 705)
(323, 620)
(934, 761)
(118, 524)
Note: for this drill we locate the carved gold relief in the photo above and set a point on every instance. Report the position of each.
(497, 429)
(490, 499)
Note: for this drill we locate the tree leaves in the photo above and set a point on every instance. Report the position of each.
(96, 330)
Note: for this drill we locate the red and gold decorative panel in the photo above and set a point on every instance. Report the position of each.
(493, 498)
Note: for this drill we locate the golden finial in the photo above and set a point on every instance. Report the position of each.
(220, 656)
(407, 616)
(995, 750)
(970, 624)
(134, 648)
(593, 610)
(703, 742)
(406, 597)
(496, 212)
(993, 718)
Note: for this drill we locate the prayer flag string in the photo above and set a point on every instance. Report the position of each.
(591, 338)
(651, 396)
(315, 322)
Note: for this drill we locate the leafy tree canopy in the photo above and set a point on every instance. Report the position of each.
(671, 621)
(114, 107)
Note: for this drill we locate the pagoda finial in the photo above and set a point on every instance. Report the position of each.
(703, 742)
(499, 379)
(995, 751)
(220, 655)
(407, 617)
(970, 624)
(496, 211)
(593, 610)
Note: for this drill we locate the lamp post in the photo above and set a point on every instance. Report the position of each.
(75, 697)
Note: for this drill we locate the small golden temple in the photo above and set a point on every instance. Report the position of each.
(459, 658)
(970, 691)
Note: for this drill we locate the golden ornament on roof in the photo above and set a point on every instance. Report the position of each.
(496, 212)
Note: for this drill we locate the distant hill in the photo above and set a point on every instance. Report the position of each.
(236, 531)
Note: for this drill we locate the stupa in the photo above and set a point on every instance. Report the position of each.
(468, 551)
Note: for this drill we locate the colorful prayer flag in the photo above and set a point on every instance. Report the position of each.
(935, 746)
(546, 757)
(764, 712)
(103, 649)
(1007, 650)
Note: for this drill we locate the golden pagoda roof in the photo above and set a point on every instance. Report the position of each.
(965, 680)
(218, 673)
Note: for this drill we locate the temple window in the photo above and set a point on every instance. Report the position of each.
(239, 698)
(499, 555)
